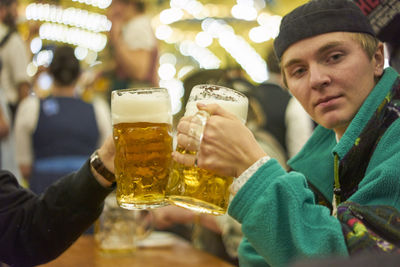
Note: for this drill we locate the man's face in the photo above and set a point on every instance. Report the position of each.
(331, 76)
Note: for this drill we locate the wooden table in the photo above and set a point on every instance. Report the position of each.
(84, 253)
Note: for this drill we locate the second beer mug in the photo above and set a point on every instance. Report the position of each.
(194, 188)
(142, 132)
(118, 231)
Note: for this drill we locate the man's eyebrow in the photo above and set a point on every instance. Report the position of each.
(291, 62)
(320, 51)
(328, 46)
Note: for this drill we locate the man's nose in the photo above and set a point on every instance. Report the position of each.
(318, 76)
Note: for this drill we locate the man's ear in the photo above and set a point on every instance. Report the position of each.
(379, 60)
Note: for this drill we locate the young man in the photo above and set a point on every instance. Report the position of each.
(333, 64)
(36, 229)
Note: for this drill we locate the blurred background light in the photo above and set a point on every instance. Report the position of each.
(70, 16)
(192, 35)
(73, 36)
(96, 3)
(80, 52)
(36, 45)
(44, 81)
(167, 58)
(166, 71)
(244, 9)
(163, 32)
(204, 39)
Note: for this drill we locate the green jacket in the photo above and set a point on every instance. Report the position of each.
(280, 219)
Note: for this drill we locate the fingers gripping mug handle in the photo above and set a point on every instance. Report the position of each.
(196, 131)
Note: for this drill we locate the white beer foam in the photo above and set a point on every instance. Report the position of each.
(130, 108)
(239, 109)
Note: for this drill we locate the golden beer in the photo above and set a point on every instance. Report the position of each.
(143, 141)
(198, 189)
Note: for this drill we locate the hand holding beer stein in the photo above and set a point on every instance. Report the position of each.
(142, 132)
(190, 186)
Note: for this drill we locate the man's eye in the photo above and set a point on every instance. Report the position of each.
(335, 57)
(298, 72)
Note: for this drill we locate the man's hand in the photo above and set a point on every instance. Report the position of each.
(228, 147)
(106, 154)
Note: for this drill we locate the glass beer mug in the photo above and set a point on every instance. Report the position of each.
(198, 189)
(117, 230)
(142, 130)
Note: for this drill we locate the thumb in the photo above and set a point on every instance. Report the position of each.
(215, 109)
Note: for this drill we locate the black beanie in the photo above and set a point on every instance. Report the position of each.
(318, 17)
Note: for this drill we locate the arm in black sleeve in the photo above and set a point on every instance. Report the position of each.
(36, 229)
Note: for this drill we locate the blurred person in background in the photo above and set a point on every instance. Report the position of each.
(55, 135)
(4, 125)
(8, 160)
(35, 229)
(133, 45)
(14, 57)
(284, 117)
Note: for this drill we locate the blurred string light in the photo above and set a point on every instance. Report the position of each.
(163, 32)
(80, 52)
(43, 58)
(196, 45)
(175, 90)
(184, 71)
(204, 39)
(244, 9)
(91, 58)
(73, 26)
(166, 72)
(31, 69)
(202, 55)
(171, 15)
(36, 45)
(73, 36)
(245, 55)
(268, 29)
(238, 48)
(168, 58)
(198, 51)
(235, 45)
(193, 7)
(96, 3)
(44, 81)
(71, 16)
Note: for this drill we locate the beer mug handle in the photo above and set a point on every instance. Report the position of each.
(196, 131)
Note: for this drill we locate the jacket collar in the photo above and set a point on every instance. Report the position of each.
(366, 111)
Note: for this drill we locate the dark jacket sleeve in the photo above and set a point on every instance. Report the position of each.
(36, 229)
